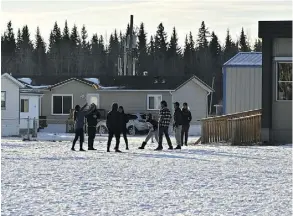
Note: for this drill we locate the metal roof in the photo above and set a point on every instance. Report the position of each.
(245, 59)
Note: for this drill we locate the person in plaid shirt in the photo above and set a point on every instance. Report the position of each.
(164, 122)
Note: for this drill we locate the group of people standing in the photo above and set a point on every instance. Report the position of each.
(181, 123)
(116, 123)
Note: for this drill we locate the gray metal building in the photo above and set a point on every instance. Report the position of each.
(242, 82)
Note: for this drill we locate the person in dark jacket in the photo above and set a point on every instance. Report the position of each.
(114, 127)
(164, 123)
(79, 115)
(92, 121)
(177, 125)
(186, 119)
(153, 132)
(124, 120)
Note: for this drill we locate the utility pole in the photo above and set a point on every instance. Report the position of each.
(130, 55)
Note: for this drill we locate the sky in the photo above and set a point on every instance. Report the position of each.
(103, 17)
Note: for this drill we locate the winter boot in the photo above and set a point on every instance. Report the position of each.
(142, 145)
(159, 148)
(81, 149)
(170, 147)
(178, 147)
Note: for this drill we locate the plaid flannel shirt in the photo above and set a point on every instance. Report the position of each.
(165, 117)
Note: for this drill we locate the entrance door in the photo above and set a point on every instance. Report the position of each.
(94, 98)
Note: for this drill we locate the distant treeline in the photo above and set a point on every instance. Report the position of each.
(72, 53)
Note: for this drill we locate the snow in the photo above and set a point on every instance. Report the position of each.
(39, 87)
(26, 80)
(46, 178)
(93, 80)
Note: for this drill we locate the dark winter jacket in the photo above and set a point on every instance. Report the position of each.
(123, 121)
(79, 117)
(164, 117)
(113, 120)
(177, 117)
(92, 118)
(154, 123)
(186, 117)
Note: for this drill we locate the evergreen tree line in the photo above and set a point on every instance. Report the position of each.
(76, 54)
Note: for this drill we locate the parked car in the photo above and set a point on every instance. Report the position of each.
(137, 124)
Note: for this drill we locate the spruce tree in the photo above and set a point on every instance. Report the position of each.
(214, 46)
(142, 50)
(74, 37)
(187, 56)
(243, 43)
(57, 33)
(257, 46)
(40, 53)
(203, 34)
(191, 42)
(9, 39)
(230, 48)
(174, 49)
(66, 50)
(160, 50)
(18, 40)
(25, 54)
(95, 53)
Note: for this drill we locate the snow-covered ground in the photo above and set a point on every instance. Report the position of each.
(46, 178)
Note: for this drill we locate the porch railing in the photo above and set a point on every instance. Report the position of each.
(223, 128)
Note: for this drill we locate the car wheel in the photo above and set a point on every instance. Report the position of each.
(131, 130)
(102, 130)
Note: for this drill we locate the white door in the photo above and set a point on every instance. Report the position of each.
(93, 98)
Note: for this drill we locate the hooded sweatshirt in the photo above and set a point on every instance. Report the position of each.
(113, 119)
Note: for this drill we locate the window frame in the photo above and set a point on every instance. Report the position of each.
(28, 105)
(3, 108)
(52, 104)
(153, 95)
(280, 60)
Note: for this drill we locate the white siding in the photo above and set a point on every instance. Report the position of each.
(10, 116)
(196, 97)
(33, 111)
(243, 89)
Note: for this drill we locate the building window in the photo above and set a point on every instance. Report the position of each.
(61, 104)
(153, 102)
(24, 105)
(284, 80)
(3, 100)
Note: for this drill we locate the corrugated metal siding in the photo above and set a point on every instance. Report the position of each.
(282, 47)
(243, 89)
(281, 110)
(196, 97)
(245, 59)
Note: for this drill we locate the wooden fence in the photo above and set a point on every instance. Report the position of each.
(227, 128)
